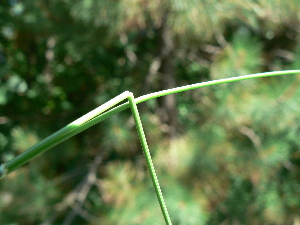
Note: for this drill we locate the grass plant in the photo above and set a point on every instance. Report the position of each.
(111, 107)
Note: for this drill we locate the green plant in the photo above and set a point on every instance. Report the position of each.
(99, 114)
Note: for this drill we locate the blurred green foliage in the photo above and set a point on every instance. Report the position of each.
(235, 155)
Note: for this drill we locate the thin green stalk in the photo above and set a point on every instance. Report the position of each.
(70, 130)
(144, 144)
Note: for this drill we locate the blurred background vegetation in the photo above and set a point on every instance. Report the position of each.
(228, 154)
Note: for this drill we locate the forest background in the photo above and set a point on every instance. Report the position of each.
(228, 154)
